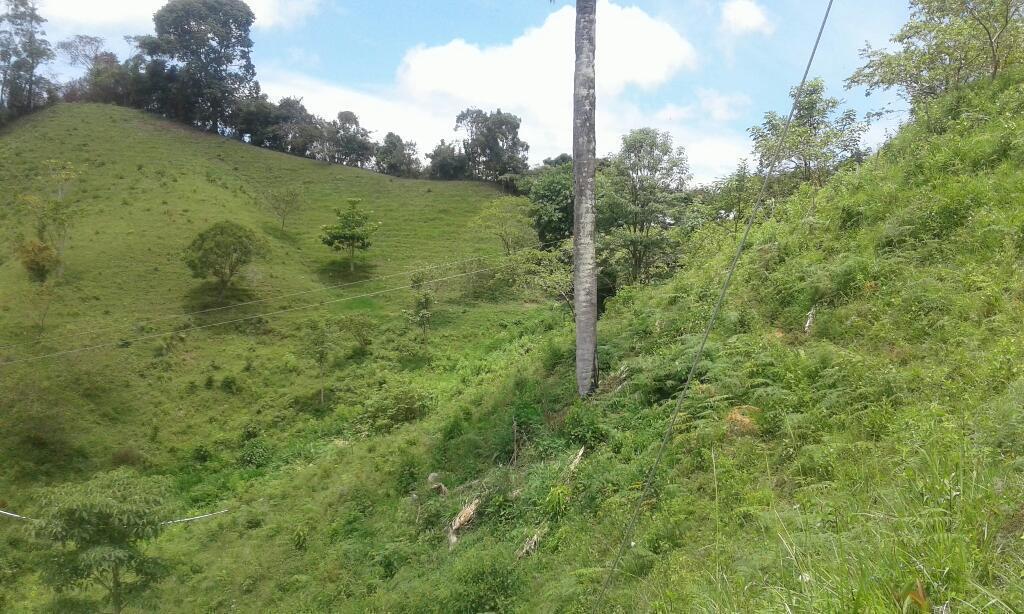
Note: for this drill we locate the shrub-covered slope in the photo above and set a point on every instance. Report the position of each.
(870, 461)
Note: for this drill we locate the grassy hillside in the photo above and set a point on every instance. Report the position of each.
(870, 461)
(147, 187)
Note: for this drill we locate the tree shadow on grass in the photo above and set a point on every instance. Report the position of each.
(206, 297)
(71, 604)
(44, 448)
(310, 403)
(337, 271)
(281, 234)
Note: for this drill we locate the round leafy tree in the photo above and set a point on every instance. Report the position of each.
(220, 252)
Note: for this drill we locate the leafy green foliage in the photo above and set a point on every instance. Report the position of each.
(551, 193)
(221, 251)
(38, 258)
(396, 402)
(505, 219)
(98, 529)
(254, 454)
(492, 145)
(420, 312)
(320, 340)
(210, 40)
(885, 431)
(946, 45)
(23, 52)
(397, 157)
(820, 138)
(419, 315)
(447, 162)
(646, 181)
(548, 271)
(353, 230)
(361, 328)
(53, 215)
(66, 420)
(284, 203)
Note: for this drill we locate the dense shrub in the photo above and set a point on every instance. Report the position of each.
(583, 425)
(485, 580)
(397, 401)
(254, 454)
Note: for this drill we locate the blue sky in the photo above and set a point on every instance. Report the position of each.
(703, 69)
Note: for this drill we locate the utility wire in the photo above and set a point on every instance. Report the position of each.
(758, 204)
(193, 518)
(268, 299)
(166, 522)
(16, 516)
(237, 320)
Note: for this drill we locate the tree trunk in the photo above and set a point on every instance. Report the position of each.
(584, 150)
(352, 259)
(115, 589)
(47, 297)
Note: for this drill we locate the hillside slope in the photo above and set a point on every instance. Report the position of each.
(146, 188)
(871, 463)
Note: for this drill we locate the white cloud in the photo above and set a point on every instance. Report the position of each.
(377, 111)
(532, 77)
(740, 17)
(283, 13)
(672, 113)
(722, 107)
(633, 49)
(138, 14)
(297, 56)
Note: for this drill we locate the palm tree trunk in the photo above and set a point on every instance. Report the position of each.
(584, 224)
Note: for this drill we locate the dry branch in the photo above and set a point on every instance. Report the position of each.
(437, 485)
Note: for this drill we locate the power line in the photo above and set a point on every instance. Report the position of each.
(236, 320)
(16, 516)
(758, 204)
(193, 518)
(268, 299)
(164, 523)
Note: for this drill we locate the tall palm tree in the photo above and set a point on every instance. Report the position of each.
(584, 151)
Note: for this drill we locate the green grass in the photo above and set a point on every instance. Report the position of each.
(882, 453)
(146, 188)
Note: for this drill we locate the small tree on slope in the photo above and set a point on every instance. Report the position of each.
(97, 529)
(320, 342)
(352, 231)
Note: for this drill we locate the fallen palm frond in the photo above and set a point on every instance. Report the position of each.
(461, 520)
(530, 545)
(576, 461)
